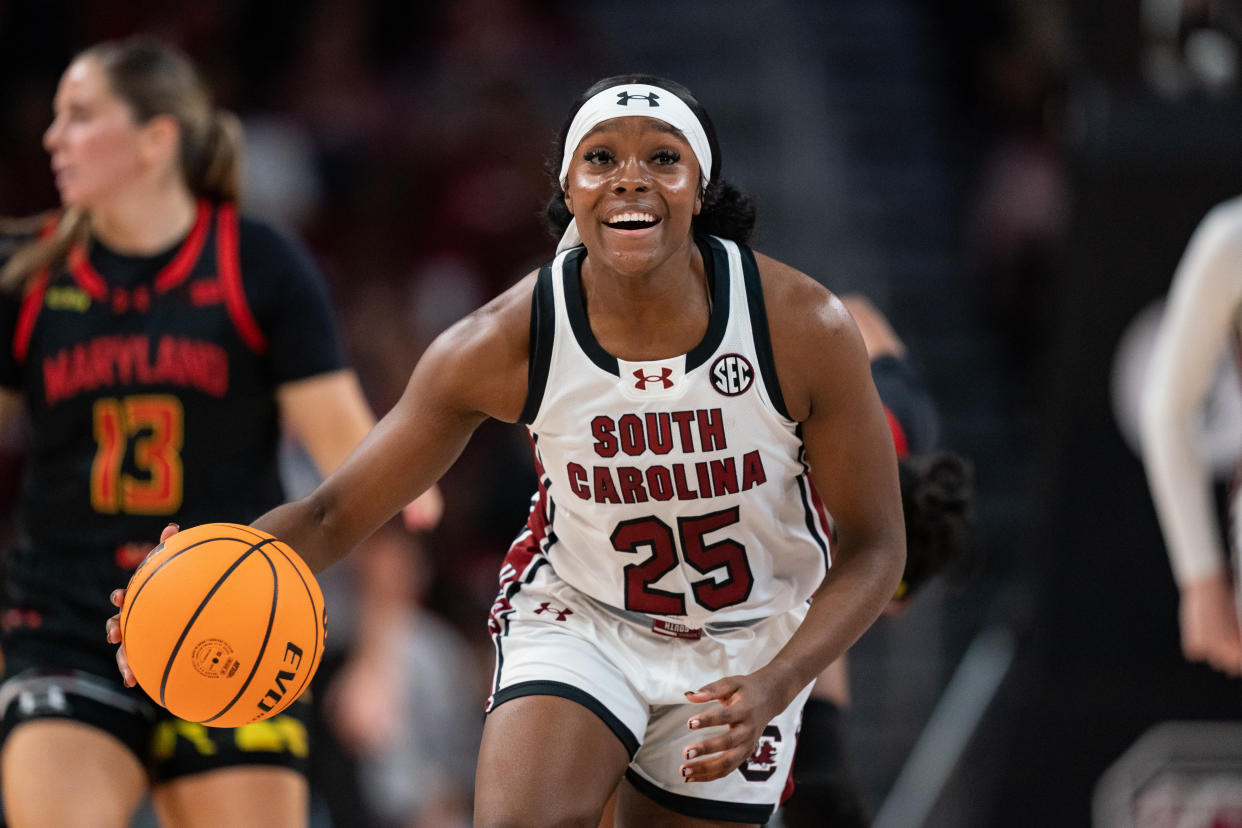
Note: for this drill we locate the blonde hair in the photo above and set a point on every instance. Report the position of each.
(153, 78)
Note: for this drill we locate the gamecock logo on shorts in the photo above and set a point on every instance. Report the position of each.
(762, 763)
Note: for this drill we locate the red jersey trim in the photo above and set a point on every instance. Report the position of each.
(899, 434)
(229, 264)
(176, 271)
(821, 515)
(172, 274)
(31, 303)
(85, 275)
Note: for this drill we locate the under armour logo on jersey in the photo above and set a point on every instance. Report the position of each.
(624, 98)
(763, 761)
(642, 378)
(561, 614)
(732, 375)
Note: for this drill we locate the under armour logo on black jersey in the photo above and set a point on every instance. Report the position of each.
(624, 98)
(663, 378)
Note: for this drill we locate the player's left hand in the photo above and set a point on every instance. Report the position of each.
(746, 707)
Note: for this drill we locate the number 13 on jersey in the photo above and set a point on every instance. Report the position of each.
(149, 429)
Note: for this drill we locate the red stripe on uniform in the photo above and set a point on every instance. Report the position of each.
(31, 302)
(176, 271)
(524, 550)
(229, 264)
(899, 434)
(821, 514)
(85, 275)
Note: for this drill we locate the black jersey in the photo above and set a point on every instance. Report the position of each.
(911, 413)
(151, 384)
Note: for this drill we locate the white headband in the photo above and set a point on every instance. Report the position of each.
(634, 100)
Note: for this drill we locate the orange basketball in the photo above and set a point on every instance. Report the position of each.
(223, 624)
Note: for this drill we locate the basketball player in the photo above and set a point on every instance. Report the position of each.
(158, 342)
(669, 603)
(1202, 321)
(937, 498)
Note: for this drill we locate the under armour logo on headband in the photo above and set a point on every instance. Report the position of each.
(624, 98)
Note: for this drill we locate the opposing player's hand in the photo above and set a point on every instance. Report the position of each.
(423, 513)
(1209, 618)
(745, 708)
(112, 627)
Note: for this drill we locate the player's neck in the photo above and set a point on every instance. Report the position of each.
(143, 223)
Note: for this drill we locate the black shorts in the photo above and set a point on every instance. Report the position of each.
(35, 687)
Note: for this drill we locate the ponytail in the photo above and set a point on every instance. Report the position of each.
(48, 250)
(212, 163)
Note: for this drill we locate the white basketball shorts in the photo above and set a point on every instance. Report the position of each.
(632, 671)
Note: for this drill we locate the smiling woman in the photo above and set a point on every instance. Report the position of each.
(670, 600)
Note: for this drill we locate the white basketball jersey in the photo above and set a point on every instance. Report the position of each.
(678, 487)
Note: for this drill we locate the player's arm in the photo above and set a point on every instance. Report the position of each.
(329, 415)
(475, 370)
(826, 382)
(850, 449)
(1201, 314)
(320, 399)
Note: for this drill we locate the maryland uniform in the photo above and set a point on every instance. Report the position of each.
(675, 531)
(150, 384)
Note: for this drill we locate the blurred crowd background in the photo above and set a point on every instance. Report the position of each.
(1010, 181)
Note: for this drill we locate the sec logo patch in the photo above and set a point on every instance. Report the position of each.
(732, 375)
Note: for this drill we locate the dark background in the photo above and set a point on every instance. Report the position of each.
(1010, 181)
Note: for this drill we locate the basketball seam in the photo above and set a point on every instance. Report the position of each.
(316, 612)
(267, 634)
(185, 629)
(134, 601)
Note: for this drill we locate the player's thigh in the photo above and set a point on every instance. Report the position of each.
(545, 760)
(243, 796)
(635, 810)
(254, 775)
(58, 772)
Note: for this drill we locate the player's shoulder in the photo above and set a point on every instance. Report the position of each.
(793, 298)
(483, 359)
(502, 322)
(257, 235)
(273, 256)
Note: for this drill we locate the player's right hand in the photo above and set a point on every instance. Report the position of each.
(112, 627)
(1209, 619)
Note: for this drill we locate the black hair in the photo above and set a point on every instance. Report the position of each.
(937, 497)
(727, 211)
